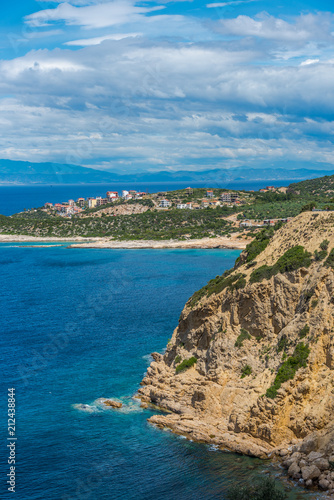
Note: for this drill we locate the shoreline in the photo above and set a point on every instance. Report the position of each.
(80, 242)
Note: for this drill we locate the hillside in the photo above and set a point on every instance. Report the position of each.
(250, 366)
(23, 172)
(322, 186)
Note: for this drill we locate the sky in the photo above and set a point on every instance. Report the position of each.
(133, 86)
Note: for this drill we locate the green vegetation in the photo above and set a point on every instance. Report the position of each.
(186, 364)
(151, 225)
(330, 260)
(282, 343)
(304, 332)
(289, 368)
(244, 335)
(216, 285)
(324, 245)
(265, 489)
(260, 242)
(178, 359)
(292, 259)
(247, 370)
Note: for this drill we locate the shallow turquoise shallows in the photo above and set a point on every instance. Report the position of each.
(79, 325)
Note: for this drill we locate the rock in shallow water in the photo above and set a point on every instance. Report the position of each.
(112, 403)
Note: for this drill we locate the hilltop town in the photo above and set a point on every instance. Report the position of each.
(180, 215)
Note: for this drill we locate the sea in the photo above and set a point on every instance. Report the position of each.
(78, 325)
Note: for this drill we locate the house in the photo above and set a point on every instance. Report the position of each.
(165, 203)
(246, 223)
(48, 205)
(80, 202)
(189, 205)
(263, 191)
(181, 205)
(205, 203)
(71, 203)
(270, 188)
(92, 202)
(132, 192)
(229, 197)
(112, 195)
(214, 203)
(124, 193)
(101, 201)
(189, 190)
(209, 194)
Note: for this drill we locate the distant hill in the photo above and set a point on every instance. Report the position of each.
(323, 186)
(22, 172)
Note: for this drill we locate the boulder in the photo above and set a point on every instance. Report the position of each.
(309, 483)
(323, 484)
(321, 463)
(294, 470)
(310, 472)
(314, 455)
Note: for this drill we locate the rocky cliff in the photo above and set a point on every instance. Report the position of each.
(250, 366)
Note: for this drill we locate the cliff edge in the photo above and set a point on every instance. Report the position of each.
(250, 366)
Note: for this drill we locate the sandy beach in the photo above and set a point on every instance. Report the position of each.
(79, 242)
(222, 242)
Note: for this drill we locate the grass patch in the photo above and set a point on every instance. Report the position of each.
(244, 335)
(186, 364)
(289, 368)
(247, 370)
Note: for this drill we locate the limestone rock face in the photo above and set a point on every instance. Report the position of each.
(241, 338)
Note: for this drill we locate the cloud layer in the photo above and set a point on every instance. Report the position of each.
(133, 87)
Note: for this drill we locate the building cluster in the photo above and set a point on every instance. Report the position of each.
(266, 222)
(227, 198)
(71, 207)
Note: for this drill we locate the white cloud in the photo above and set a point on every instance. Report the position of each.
(92, 16)
(85, 42)
(306, 27)
(226, 4)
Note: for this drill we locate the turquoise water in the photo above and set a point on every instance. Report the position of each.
(78, 325)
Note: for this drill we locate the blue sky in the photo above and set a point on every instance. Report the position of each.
(127, 85)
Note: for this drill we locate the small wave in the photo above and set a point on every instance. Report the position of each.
(148, 358)
(213, 447)
(85, 408)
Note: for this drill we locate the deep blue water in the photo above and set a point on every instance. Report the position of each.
(15, 199)
(78, 325)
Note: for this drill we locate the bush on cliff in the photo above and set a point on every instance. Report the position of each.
(330, 260)
(266, 489)
(218, 284)
(186, 363)
(289, 368)
(244, 335)
(291, 260)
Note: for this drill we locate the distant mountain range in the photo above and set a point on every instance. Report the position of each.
(22, 172)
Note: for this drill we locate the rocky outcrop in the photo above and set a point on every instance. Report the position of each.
(232, 345)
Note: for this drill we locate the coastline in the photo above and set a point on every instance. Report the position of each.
(80, 242)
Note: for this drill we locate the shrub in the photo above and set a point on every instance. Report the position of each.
(186, 364)
(282, 343)
(308, 207)
(260, 242)
(244, 335)
(177, 359)
(291, 260)
(330, 259)
(320, 255)
(218, 284)
(304, 331)
(324, 245)
(265, 489)
(247, 370)
(289, 368)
